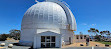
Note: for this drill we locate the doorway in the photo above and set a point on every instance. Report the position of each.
(69, 40)
(48, 41)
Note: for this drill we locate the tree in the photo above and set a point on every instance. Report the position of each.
(93, 31)
(3, 37)
(97, 31)
(15, 34)
(108, 34)
(98, 37)
(103, 33)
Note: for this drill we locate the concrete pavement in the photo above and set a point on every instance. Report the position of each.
(26, 47)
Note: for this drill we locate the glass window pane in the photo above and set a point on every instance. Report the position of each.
(77, 37)
(48, 39)
(43, 45)
(81, 37)
(85, 37)
(48, 45)
(52, 44)
(42, 38)
(53, 39)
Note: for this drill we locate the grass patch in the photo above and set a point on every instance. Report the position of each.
(104, 42)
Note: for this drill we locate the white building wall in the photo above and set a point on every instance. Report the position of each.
(27, 36)
(58, 41)
(38, 41)
(66, 34)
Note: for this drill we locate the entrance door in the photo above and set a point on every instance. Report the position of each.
(47, 41)
(69, 40)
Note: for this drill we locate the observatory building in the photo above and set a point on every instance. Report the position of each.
(48, 24)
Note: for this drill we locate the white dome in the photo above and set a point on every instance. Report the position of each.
(45, 15)
(48, 18)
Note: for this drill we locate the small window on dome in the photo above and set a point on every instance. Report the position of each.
(46, 17)
(36, 16)
(40, 16)
(37, 11)
(32, 14)
(51, 19)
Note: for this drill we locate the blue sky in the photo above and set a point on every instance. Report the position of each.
(88, 14)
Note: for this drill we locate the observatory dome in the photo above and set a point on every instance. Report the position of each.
(45, 15)
(46, 22)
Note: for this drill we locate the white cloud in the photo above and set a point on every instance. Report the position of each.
(84, 24)
(93, 24)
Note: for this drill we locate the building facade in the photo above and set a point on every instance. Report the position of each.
(48, 24)
(80, 38)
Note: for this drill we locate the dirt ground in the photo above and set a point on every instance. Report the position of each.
(90, 44)
(1, 47)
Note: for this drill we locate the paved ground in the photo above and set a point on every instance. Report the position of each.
(64, 48)
(25, 47)
(80, 48)
(14, 47)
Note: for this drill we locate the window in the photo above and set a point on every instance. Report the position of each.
(84, 36)
(47, 41)
(43, 45)
(53, 39)
(81, 37)
(52, 44)
(47, 45)
(42, 39)
(77, 37)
